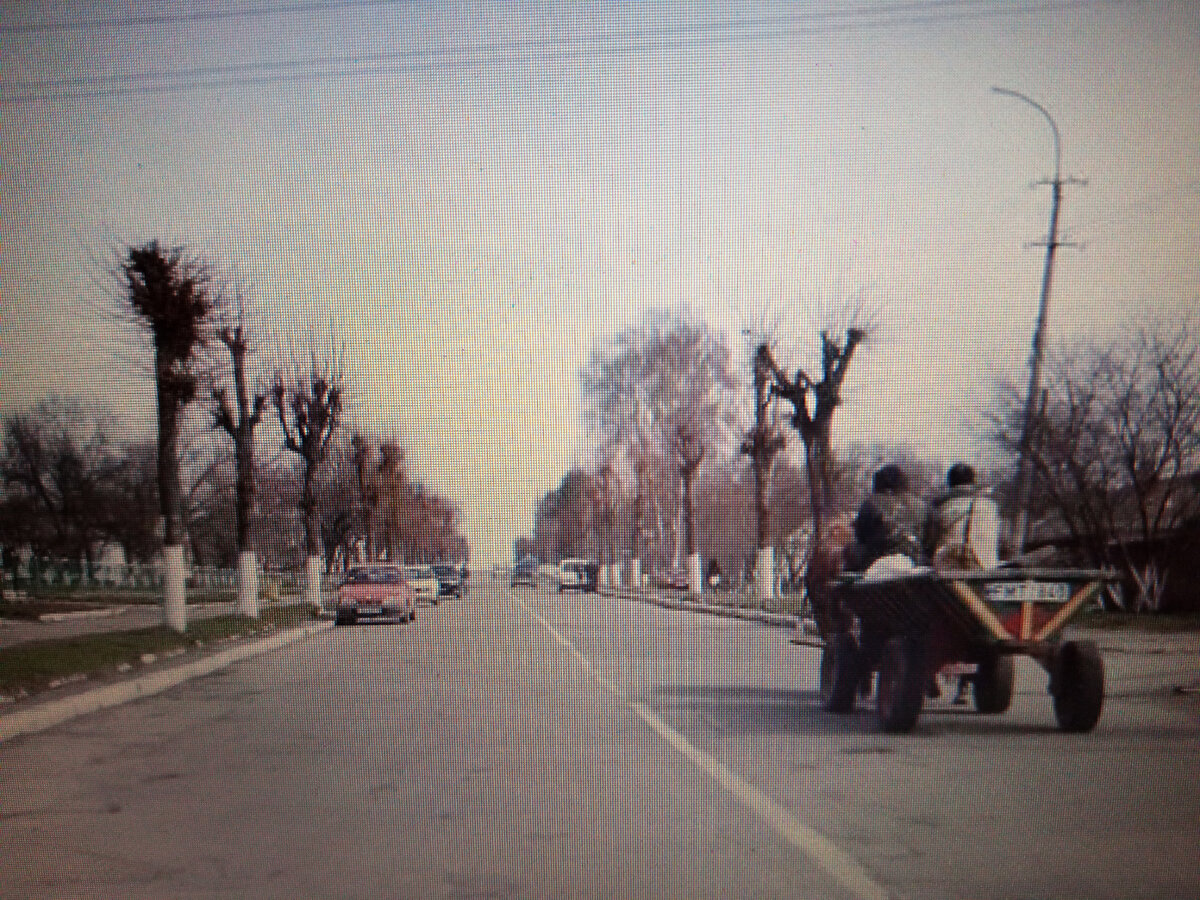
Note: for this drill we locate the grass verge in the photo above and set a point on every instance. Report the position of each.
(29, 668)
(110, 597)
(30, 610)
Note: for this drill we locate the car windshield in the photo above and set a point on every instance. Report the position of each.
(374, 575)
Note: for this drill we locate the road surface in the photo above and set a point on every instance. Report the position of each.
(522, 744)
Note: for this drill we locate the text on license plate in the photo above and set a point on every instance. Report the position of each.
(1029, 592)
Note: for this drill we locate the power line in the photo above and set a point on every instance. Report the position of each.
(506, 53)
(212, 15)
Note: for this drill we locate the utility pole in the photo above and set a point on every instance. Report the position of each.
(1052, 243)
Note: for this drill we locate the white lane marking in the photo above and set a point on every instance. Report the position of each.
(838, 864)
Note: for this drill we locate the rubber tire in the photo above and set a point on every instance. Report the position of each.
(345, 619)
(992, 686)
(900, 690)
(1078, 686)
(839, 674)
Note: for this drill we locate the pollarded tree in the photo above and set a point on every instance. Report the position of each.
(308, 397)
(814, 400)
(238, 402)
(167, 292)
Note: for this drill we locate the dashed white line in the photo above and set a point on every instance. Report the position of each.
(836, 863)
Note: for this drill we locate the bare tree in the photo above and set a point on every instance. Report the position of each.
(167, 291)
(58, 464)
(238, 412)
(1115, 451)
(308, 399)
(661, 389)
(764, 439)
(814, 401)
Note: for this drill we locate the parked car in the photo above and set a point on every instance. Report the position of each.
(450, 580)
(374, 591)
(577, 575)
(424, 583)
(524, 574)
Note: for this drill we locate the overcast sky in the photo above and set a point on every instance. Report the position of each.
(474, 196)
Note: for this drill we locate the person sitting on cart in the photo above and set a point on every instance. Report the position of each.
(887, 522)
(962, 525)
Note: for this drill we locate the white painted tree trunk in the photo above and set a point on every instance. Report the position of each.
(312, 582)
(247, 604)
(764, 574)
(635, 573)
(174, 588)
(695, 573)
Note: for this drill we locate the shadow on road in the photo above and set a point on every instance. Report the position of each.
(763, 709)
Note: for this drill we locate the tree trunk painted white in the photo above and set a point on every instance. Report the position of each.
(174, 588)
(312, 582)
(247, 604)
(695, 575)
(764, 574)
(635, 573)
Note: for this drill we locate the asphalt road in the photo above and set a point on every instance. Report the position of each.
(521, 744)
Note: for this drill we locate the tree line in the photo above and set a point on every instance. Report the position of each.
(694, 451)
(71, 480)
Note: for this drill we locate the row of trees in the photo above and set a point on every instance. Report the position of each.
(685, 449)
(67, 484)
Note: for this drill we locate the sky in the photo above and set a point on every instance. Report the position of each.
(471, 197)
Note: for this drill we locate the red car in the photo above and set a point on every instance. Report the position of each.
(374, 591)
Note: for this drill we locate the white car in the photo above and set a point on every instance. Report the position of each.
(424, 582)
(576, 575)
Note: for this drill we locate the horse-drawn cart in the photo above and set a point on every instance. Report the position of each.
(907, 627)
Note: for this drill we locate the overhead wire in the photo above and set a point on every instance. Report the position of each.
(507, 53)
(210, 15)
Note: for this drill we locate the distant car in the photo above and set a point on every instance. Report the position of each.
(450, 580)
(374, 591)
(577, 575)
(524, 573)
(424, 583)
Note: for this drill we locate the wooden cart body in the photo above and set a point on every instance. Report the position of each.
(907, 627)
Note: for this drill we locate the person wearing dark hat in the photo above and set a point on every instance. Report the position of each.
(887, 521)
(962, 525)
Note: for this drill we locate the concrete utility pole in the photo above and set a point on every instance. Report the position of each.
(1024, 472)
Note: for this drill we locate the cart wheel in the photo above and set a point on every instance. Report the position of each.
(839, 674)
(992, 689)
(900, 691)
(1077, 686)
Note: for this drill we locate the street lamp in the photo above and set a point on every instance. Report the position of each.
(1024, 474)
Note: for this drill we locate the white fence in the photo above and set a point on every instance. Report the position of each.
(59, 577)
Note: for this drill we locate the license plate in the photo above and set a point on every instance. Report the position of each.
(1029, 592)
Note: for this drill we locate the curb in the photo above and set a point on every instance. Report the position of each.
(778, 620)
(105, 613)
(54, 712)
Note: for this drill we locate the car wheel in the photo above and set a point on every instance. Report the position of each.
(345, 618)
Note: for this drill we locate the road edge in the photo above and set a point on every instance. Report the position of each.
(764, 617)
(55, 712)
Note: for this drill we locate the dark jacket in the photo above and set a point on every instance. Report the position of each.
(886, 523)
